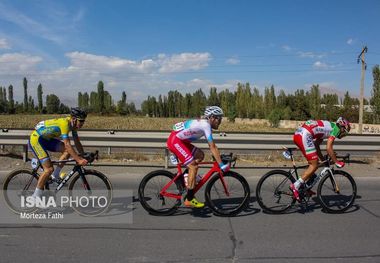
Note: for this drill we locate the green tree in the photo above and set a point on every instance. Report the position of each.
(122, 107)
(11, 100)
(375, 99)
(39, 98)
(52, 104)
(25, 84)
(315, 102)
(100, 97)
(213, 98)
(80, 99)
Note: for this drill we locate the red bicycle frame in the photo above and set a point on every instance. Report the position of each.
(214, 169)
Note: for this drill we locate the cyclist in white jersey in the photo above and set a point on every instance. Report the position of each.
(179, 142)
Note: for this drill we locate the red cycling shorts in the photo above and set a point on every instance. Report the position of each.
(305, 142)
(184, 150)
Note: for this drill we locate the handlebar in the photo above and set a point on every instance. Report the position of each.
(327, 161)
(90, 156)
(229, 158)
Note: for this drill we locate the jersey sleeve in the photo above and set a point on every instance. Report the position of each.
(208, 131)
(334, 132)
(64, 126)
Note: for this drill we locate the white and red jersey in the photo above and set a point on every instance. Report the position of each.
(192, 130)
(320, 129)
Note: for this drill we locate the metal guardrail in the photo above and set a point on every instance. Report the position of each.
(157, 140)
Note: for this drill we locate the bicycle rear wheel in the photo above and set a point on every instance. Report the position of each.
(151, 199)
(337, 194)
(92, 186)
(227, 205)
(19, 184)
(273, 193)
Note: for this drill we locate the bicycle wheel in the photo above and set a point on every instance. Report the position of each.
(273, 193)
(93, 191)
(227, 205)
(151, 199)
(337, 194)
(19, 184)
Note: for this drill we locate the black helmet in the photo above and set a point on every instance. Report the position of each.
(78, 113)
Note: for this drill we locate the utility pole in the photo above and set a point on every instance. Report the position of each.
(361, 58)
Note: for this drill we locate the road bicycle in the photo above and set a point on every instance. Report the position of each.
(226, 194)
(89, 183)
(336, 190)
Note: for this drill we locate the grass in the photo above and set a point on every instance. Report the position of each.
(128, 123)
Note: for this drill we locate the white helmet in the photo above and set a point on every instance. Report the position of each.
(213, 111)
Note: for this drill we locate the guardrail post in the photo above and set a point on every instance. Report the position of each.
(25, 154)
(166, 158)
(109, 150)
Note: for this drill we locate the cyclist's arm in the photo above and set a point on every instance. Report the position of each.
(71, 150)
(317, 144)
(77, 142)
(330, 150)
(215, 151)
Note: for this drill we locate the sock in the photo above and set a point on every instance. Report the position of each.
(190, 194)
(298, 183)
(56, 172)
(38, 193)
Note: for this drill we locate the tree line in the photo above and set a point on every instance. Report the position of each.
(244, 102)
(248, 102)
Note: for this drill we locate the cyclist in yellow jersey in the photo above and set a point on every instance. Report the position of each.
(53, 135)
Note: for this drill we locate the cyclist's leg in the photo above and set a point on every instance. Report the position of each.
(185, 152)
(58, 146)
(40, 152)
(304, 140)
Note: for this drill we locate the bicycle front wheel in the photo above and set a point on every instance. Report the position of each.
(19, 184)
(273, 193)
(150, 195)
(337, 193)
(92, 192)
(232, 201)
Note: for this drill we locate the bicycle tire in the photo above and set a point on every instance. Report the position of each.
(330, 200)
(100, 187)
(14, 188)
(271, 188)
(149, 193)
(224, 205)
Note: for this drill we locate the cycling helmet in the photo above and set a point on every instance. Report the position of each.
(343, 122)
(213, 111)
(78, 113)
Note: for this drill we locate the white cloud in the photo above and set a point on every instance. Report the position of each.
(233, 61)
(11, 63)
(320, 65)
(350, 41)
(309, 54)
(183, 62)
(4, 44)
(286, 48)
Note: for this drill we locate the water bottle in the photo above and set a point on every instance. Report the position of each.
(62, 175)
(286, 154)
(186, 178)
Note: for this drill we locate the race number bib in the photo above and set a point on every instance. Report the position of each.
(179, 126)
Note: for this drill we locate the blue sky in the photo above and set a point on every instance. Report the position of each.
(150, 47)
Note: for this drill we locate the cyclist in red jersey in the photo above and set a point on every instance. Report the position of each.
(309, 137)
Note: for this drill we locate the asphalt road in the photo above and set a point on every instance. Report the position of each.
(200, 236)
